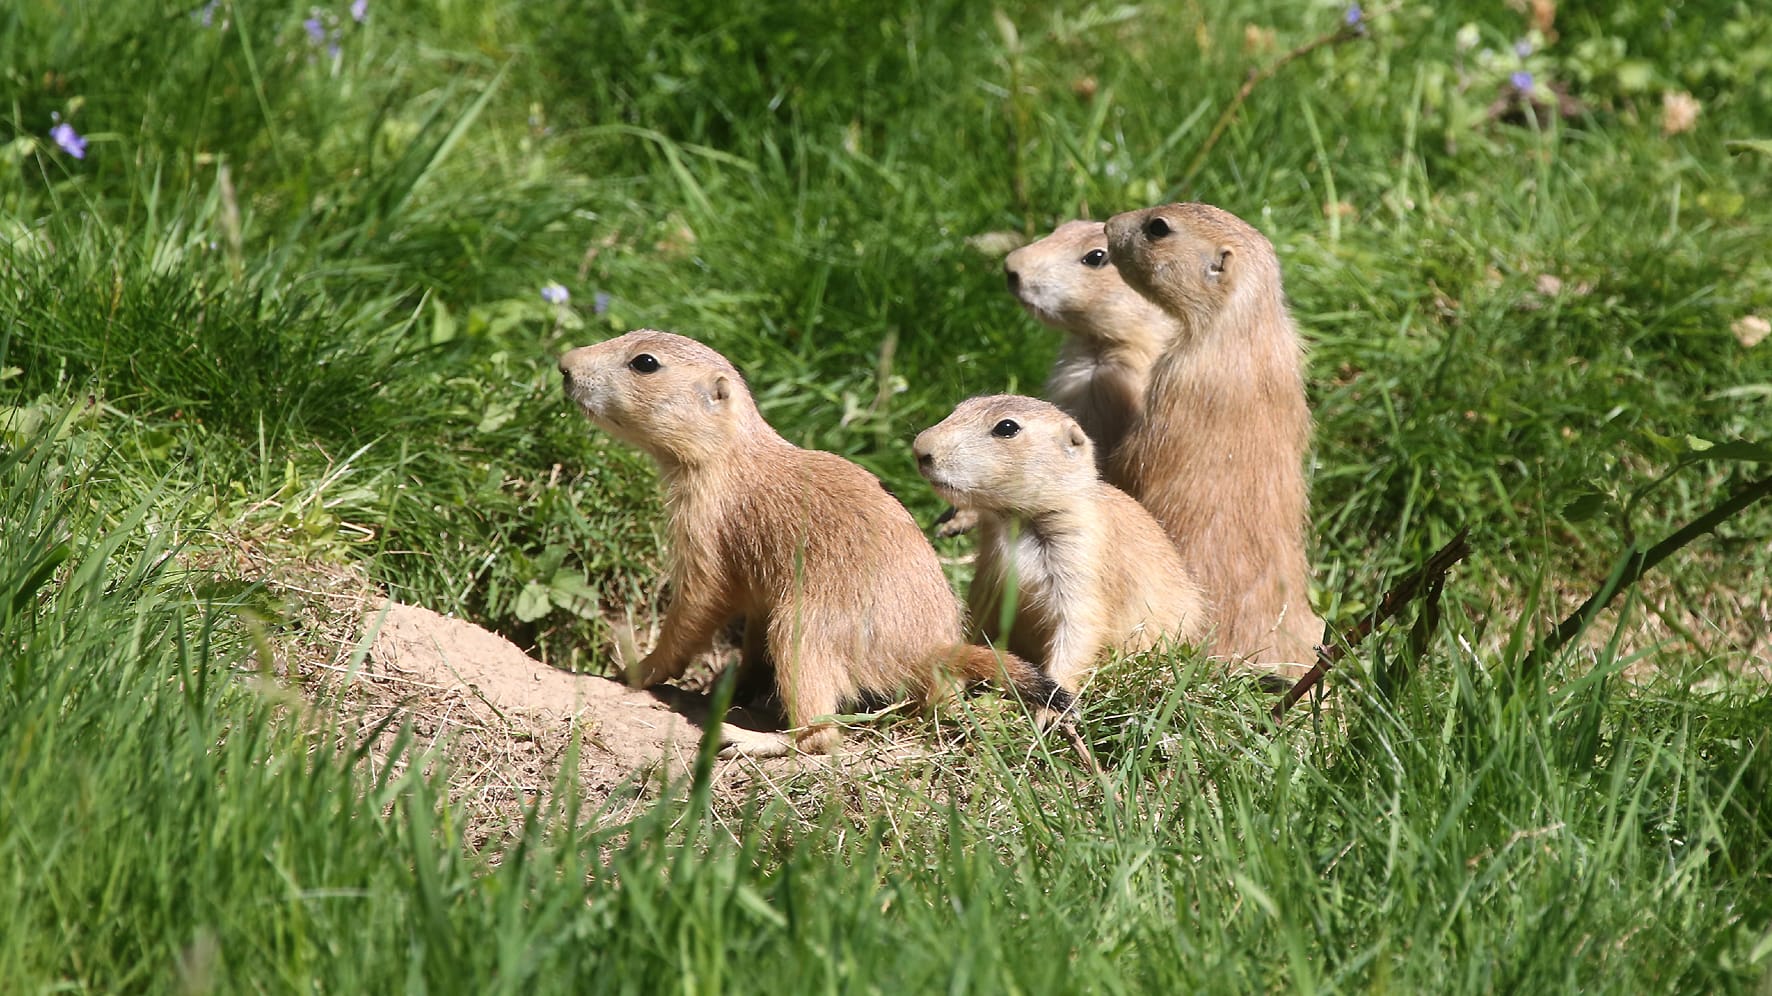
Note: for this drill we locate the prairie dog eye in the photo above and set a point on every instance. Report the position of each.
(645, 363)
(1006, 428)
(1096, 259)
(1156, 228)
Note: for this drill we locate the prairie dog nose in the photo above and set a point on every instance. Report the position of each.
(1013, 279)
(924, 452)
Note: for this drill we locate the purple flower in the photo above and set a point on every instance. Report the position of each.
(553, 293)
(1523, 47)
(1354, 16)
(316, 30)
(600, 303)
(359, 10)
(1522, 81)
(206, 16)
(70, 140)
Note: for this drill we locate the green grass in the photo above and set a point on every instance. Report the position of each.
(296, 295)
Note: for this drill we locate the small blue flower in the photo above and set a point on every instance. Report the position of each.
(600, 303)
(359, 10)
(206, 16)
(553, 293)
(1522, 81)
(316, 30)
(1354, 16)
(65, 136)
(1523, 47)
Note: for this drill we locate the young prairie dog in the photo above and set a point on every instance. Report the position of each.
(1113, 334)
(1092, 570)
(840, 592)
(1218, 457)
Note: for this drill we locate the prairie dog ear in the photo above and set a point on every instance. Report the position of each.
(1220, 260)
(717, 389)
(1075, 435)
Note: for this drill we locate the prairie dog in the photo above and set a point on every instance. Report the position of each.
(840, 592)
(1218, 457)
(1113, 334)
(1091, 568)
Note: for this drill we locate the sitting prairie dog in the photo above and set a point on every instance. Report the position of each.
(1218, 457)
(1113, 334)
(840, 592)
(1092, 569)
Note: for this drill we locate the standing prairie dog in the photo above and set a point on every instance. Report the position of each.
(1092, 570)
(1113, 334)
(839, 590)
(1219, 456)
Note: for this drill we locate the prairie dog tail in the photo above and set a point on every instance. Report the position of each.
(1034, 686)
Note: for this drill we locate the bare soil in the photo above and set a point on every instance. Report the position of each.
(511, 718)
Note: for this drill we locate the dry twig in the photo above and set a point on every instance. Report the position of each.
(1429, 577)
(1637, 563)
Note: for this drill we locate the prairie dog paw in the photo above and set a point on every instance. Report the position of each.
(956, 521)
(750, 743)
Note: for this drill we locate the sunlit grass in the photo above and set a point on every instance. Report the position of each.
(301, 288)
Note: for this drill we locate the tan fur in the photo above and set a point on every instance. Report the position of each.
(1092, 571)
(1219, 455)
(1113, 335)
(823, 563)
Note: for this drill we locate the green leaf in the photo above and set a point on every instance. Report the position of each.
(1635, 76)
(533, 602)
(1744, 450)
(157, 444)
(1586, 505)
(1761, 145)
(570, 591)
(1761, 950)
(442, 323)
(497, 416)
(752, 901)
(1665, 445)
(1740, 450)
(34, 576)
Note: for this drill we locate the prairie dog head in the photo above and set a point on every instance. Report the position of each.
(1191, 259)
(1007, 453)
(674, 398)
(1068, 281)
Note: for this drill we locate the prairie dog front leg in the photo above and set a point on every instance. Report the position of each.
(696, 614)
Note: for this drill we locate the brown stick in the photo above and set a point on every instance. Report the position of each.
(1345, 33)
(1430, 575)
(1639, 563)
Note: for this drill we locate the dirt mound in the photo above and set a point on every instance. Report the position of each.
(504, 720)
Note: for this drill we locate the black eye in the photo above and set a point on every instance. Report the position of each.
(645, 363)
(1156, 228)
(1006, 428)
(1096, 259)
